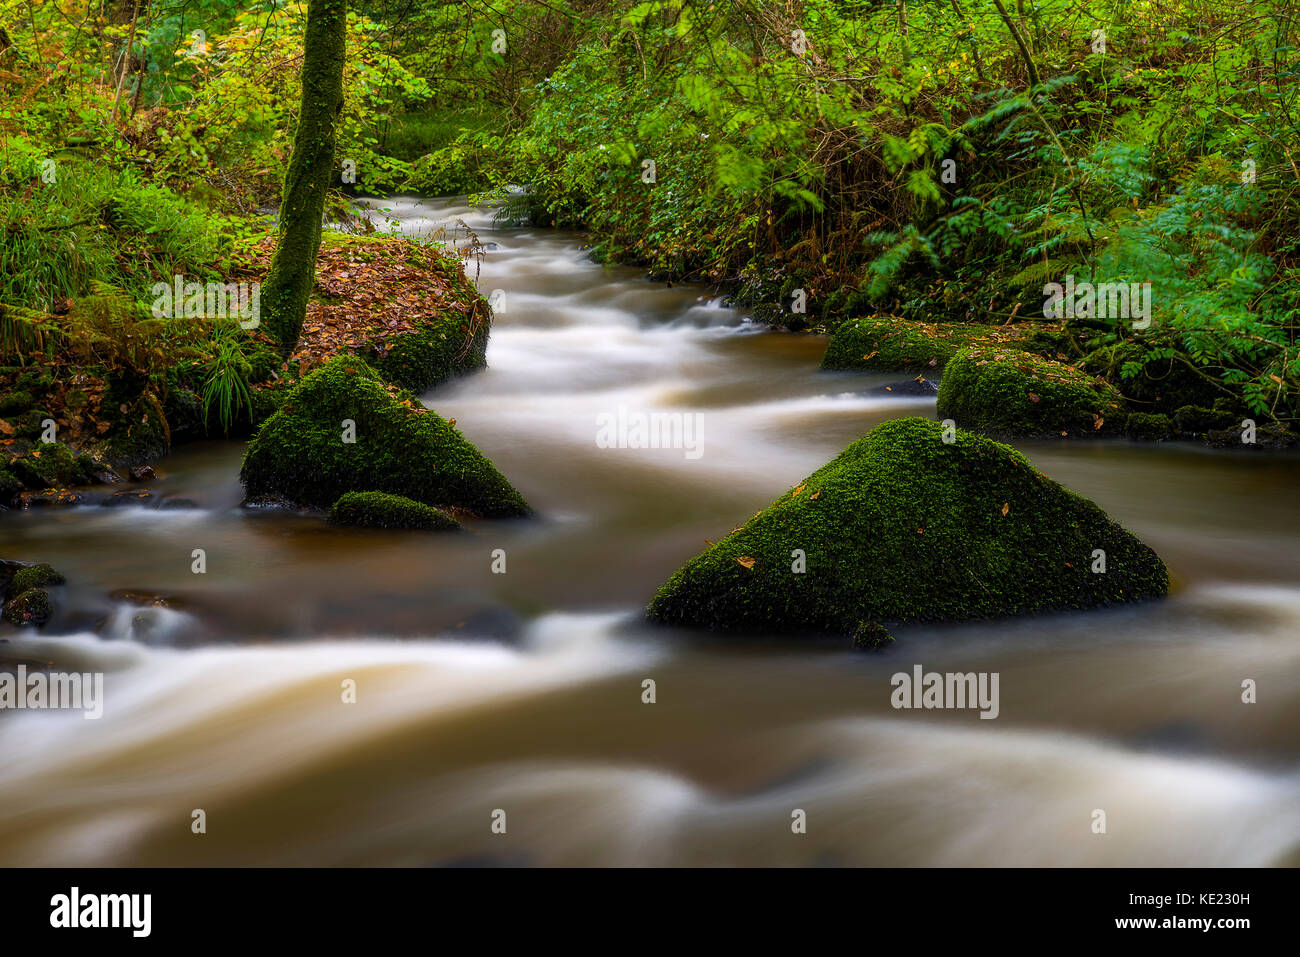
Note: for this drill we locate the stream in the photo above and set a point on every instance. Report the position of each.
(479, 691)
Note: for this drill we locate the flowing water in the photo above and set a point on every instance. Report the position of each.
(521, 692)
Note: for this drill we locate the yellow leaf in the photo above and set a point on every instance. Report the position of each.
(1006, 507)
(745, 561)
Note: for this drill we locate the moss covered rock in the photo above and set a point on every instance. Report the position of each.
(886, 344)
(440, 348)
(904, 527)
(1148, 427)
(23, 587)
(381, 510)
(32, 607)
(890, 344)
(32, 576)
(53, 465)
(400, 447)
(1198, 420)
(1007, 392)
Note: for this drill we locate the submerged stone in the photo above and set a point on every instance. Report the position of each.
(905, 527)
(381, 510)
(342, 429)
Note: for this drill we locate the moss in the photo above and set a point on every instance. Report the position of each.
(1148, 427)
(18, 401)
(310, 174)
(10, 485)
(443, 347)
(140, 434)
(904, 527)
(381, 510)
(32, 576)
(1014, 393)
(888, 345)
(1198, 420)
(401, 448)
(32, 607)
(53, 465)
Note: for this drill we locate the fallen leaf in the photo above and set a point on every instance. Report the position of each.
(1032, 397)
(1006, 507)
(746, 561)
(815, 495)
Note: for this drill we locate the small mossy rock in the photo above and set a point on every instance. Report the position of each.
(1148, 427)
(32, 576)
(381, 510)
(903, 527)
(1198, 420)
(1005, 392)
(401, 448)
(32, 607)
(886, 344)
(52, 465)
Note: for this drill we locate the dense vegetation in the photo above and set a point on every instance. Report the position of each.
(824, 160)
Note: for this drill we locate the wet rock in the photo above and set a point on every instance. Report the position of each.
(143, 473)
(32, 607)
(25, 589)
(49, 496)
(342, 429)
(908, 387)
(127, 497)
(170, 504)
(380, 510)
(1148, 427)
(904, 527)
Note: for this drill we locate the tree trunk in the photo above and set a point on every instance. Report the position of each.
(293, 268)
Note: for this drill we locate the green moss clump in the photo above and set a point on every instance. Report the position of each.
(16, 402)
(1148, 427)
(443, 347)
(1005, 392)
(10, 485)
(1198, 420)
(889, 345)
(903, 527)
(381, 510)
(400, 447)
(32, 576)
(53, 465)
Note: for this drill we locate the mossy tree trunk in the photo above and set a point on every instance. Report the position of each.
(293, 268)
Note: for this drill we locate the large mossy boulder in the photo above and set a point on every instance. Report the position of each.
(905, 527)
(1013, 393)
(301, 454)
